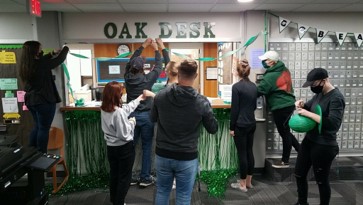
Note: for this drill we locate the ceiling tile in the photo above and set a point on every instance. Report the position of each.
(335, 1)
(190, 7)
(6, 7)
(110, 7)
(351, 8)
(143, 1)
(59, 7)
(320, 7)
(233, 7)
(91, 1)
(145, 7)
(192, 1)
(279, 7)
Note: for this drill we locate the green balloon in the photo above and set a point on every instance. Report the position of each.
(300, 123)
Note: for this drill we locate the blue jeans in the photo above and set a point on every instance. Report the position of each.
(43, 116)
(183, 171)
(145, 129)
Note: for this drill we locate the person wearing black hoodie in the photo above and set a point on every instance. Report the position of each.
(41, 92)
(179, 112)
(135, 82)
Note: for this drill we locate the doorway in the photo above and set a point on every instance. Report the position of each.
(182, 51)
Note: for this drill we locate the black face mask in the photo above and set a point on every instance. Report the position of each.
(317, 89)
(264, 64)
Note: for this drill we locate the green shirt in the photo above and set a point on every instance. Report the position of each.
(276, 85)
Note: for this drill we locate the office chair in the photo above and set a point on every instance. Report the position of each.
(56, 143)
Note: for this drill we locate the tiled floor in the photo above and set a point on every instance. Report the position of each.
(264, 192)
(276, 186)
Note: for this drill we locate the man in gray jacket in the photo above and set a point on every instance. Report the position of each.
(179, 112)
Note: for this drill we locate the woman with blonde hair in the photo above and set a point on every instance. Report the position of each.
(243, 124)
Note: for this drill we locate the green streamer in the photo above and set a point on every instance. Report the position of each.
(79, 55)
(206, 59)
(123, 55)
(181, 55)
(229, 53)
(251, 40)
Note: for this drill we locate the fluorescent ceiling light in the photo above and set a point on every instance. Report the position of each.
(244, 1)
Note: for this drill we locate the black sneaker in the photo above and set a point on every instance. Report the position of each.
(281, 165)
(146, 182)
(134, 181)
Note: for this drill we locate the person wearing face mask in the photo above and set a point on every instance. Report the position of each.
(41, 92)
(276, 86)
(319, 148)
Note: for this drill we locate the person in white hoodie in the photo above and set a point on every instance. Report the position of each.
(118, 131)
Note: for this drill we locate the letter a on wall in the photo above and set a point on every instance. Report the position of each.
(283, 23)
(320, 34)
(341, 36)
(359, 38)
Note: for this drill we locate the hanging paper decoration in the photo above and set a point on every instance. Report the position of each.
(358, 38)
(341, 36)
(123, 55)
(251, 40)
(302, 29)
(283, 23)
(320, 34)
(79, 55)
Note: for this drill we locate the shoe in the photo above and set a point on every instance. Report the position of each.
(250, 187)
(281, 165)
(134, 182)
(237, 185)
(146, 182)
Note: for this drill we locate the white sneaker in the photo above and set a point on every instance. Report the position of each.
(237, 185)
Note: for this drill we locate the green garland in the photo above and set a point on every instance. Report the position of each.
(10, 46)
(217, 153)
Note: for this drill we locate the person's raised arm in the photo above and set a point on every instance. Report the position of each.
(164, 51)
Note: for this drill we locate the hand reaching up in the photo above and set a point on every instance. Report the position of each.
(160, 43)
(147, 42)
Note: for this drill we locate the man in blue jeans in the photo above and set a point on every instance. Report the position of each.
(136, 81)
(179, 112)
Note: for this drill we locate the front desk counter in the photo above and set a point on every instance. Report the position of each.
(86, 148)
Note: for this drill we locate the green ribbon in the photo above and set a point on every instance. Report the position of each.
(229, 53)
(123, 55)
(79, 55)
(65, 70)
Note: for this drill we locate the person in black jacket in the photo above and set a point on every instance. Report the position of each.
(41, 92)
(179, 112)
(136, 81)
(243, 124)
(319, 147)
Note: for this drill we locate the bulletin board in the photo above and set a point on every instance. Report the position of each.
(114, 69)
(111, 70)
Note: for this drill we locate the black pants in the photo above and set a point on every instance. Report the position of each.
(243, 139)
(121, 159)
(321, 158)
(281, 118)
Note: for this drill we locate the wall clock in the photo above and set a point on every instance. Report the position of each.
(123, 48)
